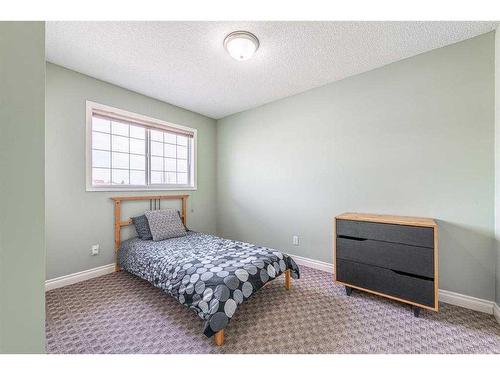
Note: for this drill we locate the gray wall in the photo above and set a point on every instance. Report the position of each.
(77, 219)
(497, 162)
(22, 250)
(412, 138)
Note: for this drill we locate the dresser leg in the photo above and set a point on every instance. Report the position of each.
(348, 290)
(416, 311)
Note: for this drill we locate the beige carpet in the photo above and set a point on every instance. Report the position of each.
(119, 313)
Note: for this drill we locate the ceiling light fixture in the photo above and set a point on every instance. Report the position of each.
(241, 45)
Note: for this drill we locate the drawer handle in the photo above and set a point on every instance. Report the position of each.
(353, 238)
(413, 275)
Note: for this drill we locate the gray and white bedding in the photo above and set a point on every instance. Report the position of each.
(208, 274)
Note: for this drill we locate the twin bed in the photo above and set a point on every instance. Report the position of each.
(208, 274)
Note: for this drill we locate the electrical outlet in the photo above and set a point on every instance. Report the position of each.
(295, 240)
(94, 250)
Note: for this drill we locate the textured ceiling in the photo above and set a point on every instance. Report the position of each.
(185, 64)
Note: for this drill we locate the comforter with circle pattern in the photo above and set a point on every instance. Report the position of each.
(208, 274)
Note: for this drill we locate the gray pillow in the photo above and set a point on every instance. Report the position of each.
(142, 227)
(165, 224)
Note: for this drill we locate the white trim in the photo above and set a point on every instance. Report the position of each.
(452, 298)
(142, 188)
(469, 302)
(76, 277)
(316, 264)
(496, 312)
(160, 124)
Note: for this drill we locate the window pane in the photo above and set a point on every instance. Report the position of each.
(137, 146)
(170, 178)
(120, 177)
(156, 163)
(157, 148)
(169, 138)
(127, 152)
(182, 178)
(101, 159)
(101, 176)
(182, 165)
(170, 151)
(182, 152)
(156, 177)
(170, 165)
(120, 143)
(137, 178)
(137, 162)
(100, 125)
(156, 135)
(119, 128)
(120, 160)
(100, 141)
(182, 140)
(137, 132)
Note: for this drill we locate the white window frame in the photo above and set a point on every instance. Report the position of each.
(154, 123)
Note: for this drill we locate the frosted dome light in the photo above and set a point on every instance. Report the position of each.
(241, 45)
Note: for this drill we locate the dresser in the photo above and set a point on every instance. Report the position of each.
(391, 256)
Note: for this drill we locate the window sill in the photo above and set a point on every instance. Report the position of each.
(177, 188)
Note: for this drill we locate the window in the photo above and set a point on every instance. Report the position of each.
(126, 151)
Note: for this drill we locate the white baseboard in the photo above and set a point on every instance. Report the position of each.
(316, 264)
(73, 278)
(469, 302)
(496, 312)
(445, 296)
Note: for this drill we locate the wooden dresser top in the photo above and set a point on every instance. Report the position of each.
(389, 219)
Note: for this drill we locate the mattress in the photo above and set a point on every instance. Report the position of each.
(208, 274)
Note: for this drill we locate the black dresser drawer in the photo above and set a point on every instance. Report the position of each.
(386, 281)
(406, 258)
(404, 234)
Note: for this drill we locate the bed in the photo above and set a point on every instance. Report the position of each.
(206, 273)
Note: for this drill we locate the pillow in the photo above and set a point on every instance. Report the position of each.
(184, 225)
(165, 224)
(142, 227)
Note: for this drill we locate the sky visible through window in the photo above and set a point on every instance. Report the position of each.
(120, 155)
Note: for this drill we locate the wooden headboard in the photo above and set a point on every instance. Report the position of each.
(154, 204)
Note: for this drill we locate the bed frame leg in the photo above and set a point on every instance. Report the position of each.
(219, 338)
(288, 280)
